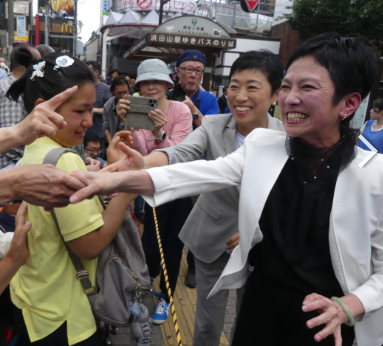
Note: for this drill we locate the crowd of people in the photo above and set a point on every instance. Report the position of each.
(279, 210)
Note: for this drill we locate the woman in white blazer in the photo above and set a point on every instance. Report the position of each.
(310, 213)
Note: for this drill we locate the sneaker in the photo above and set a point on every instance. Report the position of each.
(161, 313)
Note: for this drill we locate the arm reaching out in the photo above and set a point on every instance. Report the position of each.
(109, 183)
(18, 252)
(42, 121)
(42, 185)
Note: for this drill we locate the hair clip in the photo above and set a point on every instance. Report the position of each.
(63, 61)
(38, 70)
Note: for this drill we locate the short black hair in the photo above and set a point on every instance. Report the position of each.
(378, 104)
(263, 60)
(120, 80)
(224, 89)
(96, 66)
(351, 61)
(115, 70)
(54, 81)
(90, 137)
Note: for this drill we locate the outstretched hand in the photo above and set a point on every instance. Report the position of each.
(331, 314)
(43, 120)
(43, 185)
(131, 160)
(115, 152)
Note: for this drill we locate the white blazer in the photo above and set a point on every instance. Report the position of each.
(356, 223)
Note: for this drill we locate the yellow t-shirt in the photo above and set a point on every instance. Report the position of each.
(46, 288)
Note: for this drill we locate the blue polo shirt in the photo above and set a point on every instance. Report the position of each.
(208, 102)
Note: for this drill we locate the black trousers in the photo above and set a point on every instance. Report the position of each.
(57, 338)
(272, 315)
(171, 218)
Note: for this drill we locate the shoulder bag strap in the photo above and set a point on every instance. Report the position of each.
(82, 274)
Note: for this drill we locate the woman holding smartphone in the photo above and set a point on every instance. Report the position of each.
(173, 122)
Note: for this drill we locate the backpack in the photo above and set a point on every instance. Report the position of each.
(121, 270)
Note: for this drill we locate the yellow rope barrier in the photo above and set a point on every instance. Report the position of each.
(172, 307)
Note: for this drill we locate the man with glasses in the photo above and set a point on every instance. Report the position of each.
(92, 148)
(190, 68)
(112, 122)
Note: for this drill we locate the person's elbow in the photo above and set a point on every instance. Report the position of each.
(87, 247)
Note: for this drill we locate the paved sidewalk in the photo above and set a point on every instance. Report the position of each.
(185, 302)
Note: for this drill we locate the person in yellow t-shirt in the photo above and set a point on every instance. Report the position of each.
(50, 307)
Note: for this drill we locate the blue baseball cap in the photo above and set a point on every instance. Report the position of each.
(191, 55)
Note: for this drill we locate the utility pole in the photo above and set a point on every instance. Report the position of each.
(46, 36)
(75, 30)
(11, 27)
(235, 14)
(256, 28)
(161, 11)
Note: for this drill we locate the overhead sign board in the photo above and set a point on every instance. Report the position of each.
(21, 7)
(251, 4)
(192, 40)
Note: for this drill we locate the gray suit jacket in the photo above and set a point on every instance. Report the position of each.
(214, 218)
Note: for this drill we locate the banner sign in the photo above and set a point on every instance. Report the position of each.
(57, 6)
(183, 6)
(21, 26)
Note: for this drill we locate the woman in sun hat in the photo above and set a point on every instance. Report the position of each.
(173, 122)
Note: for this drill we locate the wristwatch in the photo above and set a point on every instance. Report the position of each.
(196, 115)
(161, 138)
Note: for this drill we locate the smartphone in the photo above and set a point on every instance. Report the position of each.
(138, 115)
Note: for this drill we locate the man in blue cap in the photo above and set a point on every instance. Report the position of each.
(190, 68)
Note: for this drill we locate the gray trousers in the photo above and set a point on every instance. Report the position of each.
(210, 313)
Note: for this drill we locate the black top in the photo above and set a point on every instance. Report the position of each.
(293, 260)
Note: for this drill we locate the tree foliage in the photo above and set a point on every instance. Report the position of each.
(347, 17)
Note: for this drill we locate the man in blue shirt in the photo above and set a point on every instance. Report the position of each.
(190, 67)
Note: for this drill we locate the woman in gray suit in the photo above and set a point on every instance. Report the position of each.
(300, 227)
(256, 79)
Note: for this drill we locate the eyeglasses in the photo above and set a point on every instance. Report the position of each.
(190, 70)
(93, 150)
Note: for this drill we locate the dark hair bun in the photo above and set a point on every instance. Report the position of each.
(24, 57)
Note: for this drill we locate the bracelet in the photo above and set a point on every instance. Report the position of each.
(351, 320)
